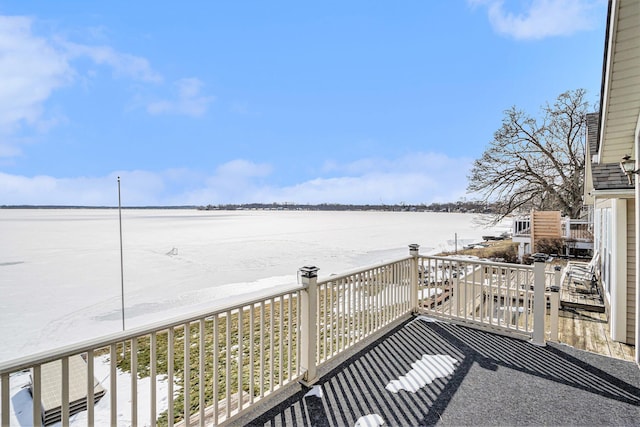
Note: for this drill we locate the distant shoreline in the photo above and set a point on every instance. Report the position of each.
(457, 207)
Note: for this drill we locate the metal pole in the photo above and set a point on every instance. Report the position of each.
(121, 256)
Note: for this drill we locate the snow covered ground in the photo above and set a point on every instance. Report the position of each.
(22, 409)
(60, 268)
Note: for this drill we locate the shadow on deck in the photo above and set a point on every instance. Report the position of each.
(496, 380)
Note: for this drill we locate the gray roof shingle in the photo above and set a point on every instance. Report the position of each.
(606, 176)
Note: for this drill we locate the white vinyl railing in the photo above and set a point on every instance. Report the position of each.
(227, 360)
(353, 306)
(496, 296)
(484, 293)
(215, 365)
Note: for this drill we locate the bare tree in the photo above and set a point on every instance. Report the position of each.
(533, 164)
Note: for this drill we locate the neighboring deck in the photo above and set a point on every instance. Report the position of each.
(496, 380)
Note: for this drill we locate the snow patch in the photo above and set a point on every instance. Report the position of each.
(423, 372)
(427, 319)
(371, 420)
(316, 391)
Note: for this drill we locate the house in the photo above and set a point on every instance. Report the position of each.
(612, 135)
(574, 235)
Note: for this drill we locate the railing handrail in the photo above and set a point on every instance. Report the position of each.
(341, 276)
(479, 261)
(45, 356)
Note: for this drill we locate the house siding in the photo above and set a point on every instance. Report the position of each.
(631, 273)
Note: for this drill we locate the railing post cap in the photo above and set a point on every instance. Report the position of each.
(309, 271)
(414, 247)
(539, 257)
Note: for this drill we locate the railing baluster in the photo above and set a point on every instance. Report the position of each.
(240, 358)
(351, 310)
(262, 352)
(134, 382)
(216, 368)
(325, 330)
(368, 306)
(227, 373)
(36, 395)
(65, 391)
(290, 336)
(491, 305)
(332, 317)
(357, 308)
(201, 374)
(4, 405)
(378, 300)
(298, 334)
(525, 300)
(365, 306)
(170, 375)
(343, 314)
(113, 380)
(153, 361)
(252, 348)
(281, 342)
(90, 388)
(186, 360)
(388, 300)
(272, 304)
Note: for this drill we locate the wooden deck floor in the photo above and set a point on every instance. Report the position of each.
(584, 324)
(589, 331)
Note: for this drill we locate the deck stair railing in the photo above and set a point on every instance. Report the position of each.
(217, 364)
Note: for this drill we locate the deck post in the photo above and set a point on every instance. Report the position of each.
(554, 304)
(414, 249)
(308, 327)
(554, 299)
(539, 299)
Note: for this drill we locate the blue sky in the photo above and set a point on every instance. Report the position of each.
(208, 102)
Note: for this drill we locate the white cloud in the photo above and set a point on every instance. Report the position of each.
(80, 191)
(541, 18)
(189, 101)
(30, 70)
(414, 178)
(122, 64)
(33, 67)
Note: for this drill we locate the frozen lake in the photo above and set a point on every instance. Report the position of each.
(60, 268)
